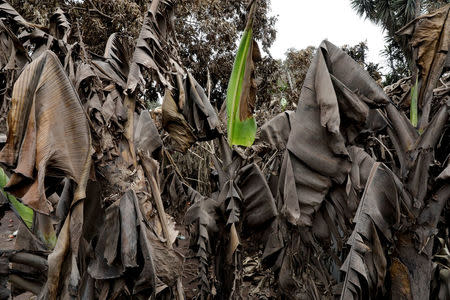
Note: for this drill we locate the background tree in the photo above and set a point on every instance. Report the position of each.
(359, 53)
(206, 31)
(287, 78)
(396, 60)
(291, 71)
(392, 15)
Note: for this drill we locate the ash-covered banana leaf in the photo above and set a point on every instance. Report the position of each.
(198, 111)
(60, 25)
(325, 171)
(378, 212)
(125, 225)
(188, 115)
(114, 65)
(323, 174)
(241, 92)
(13, 55)
(246, 205)
(174, 122)
(37, 148)
(336, 89)
(154, 47)
(203, 215)
(43, 153)
(275, 132)
(8, 12)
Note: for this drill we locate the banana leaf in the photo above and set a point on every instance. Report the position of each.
(241, 92)
(24, 212)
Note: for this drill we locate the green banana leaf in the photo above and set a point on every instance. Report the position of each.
(24, 212)
(44, 228)
(413, 108)
(241, 93)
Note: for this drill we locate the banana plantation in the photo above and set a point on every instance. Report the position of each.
(343, 195)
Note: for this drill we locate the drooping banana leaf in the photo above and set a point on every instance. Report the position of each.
(59, 25)
(316, 154)
(198, 111)
(204, 217)
(37, 148)
(114, 65)
(241, 92)
(8, 12)
(188, 116)
(339, 100)
(154, 53)
(174, 122)
(150, 52)
(378, 212)
(38, 224)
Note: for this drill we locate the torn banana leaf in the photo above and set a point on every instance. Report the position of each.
(323, 173)
(13, 55)
(192, 110)
(198, 111)
(125, 225)
(59, 25)
(114, 65)
(146, 136)
(7, 11)
(378, 212)
(151, 52)
(203, 214)
(241, 92)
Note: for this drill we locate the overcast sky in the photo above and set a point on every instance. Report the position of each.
(303, 23)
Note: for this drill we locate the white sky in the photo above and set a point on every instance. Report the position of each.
(303, 23)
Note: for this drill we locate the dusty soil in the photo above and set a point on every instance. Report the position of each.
(8, 224)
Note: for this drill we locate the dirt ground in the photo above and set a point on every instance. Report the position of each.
(8, 224)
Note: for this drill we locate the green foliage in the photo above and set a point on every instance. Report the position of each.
(390, 14)
(413, 110)
(240, 131)
(24, 212)
(283, 103)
